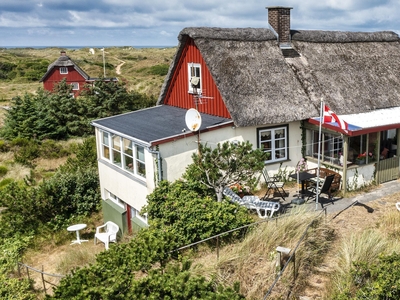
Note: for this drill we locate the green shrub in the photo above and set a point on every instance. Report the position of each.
(4, 146)
(20, 142)
(3, 170)
(13, 288)
(52, 149)
(160, 70)
(53, 201)
(5, 182)
(118, 274)
(27, 152)
(192, 216)
(380, 280)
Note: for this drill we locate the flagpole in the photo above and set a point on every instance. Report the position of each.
(104, 63)
(321, 116)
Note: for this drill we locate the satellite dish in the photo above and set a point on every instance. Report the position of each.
(194, 81)
(193, 119)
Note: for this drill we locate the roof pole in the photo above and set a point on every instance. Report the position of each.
(321, 120)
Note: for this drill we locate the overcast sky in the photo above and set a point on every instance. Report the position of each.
(158, 22)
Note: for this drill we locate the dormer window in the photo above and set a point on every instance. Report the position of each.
(194, 71)
(63, 70)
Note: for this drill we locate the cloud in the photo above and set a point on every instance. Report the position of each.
(156, 21)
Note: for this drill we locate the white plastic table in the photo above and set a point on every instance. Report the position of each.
(76, 228)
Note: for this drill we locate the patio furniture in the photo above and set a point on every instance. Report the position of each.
(303, 178)
(324, 189)
(76, 228)
(273, 185)
(398, 205)
(106, 233)
(264, 209)
(323, 173)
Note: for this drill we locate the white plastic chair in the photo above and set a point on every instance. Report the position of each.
(106, 233)
(398, 205)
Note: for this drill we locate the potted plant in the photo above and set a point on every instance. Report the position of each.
(360, 159)
(240, 190)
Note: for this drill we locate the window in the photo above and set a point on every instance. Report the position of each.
(136, 214)
(116, 150)
(274, 142)
(63, 70)
(140, 165)
(128, 155)
(106, 145)
(194, 78)
(115, 199)
(75, 86)
(123, 153)
(361, 149)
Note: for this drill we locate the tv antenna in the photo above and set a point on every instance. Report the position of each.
(198, 96)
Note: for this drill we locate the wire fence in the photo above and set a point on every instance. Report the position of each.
(43, 275)
(216, 237)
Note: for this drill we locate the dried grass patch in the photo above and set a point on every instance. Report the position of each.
(252, 262)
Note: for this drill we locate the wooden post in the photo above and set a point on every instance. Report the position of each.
(283, 253)
(217, 248)
(44, 284)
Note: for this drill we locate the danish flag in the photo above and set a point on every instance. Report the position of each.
(330, 116)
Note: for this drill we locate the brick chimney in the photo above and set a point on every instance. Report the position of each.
(279, 20)
(63, 53)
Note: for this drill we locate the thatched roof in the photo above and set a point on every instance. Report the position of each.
(352, 72)
(64, 61)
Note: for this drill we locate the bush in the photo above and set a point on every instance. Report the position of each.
(160, 70)
(53, 201)
(3, 171)
(190, 216)
(380, 280)
(118, 274)
(5, 182)
(26, 153)
(52, 149)
(3, 146)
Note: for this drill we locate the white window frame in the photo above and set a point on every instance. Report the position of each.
(123, 153)
(136, 214)
(105, 145)
(63, 70)
(274, 140)
(194, 74)
(115, 199)
(75, 86)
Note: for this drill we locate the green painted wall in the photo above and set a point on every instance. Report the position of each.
(115, 213)
(138, 224)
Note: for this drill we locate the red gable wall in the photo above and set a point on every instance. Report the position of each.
(178, 95)
(55, 77)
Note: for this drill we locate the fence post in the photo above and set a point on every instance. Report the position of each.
(44, 284)
(217, 248)
(282, 256)
(27, 272)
